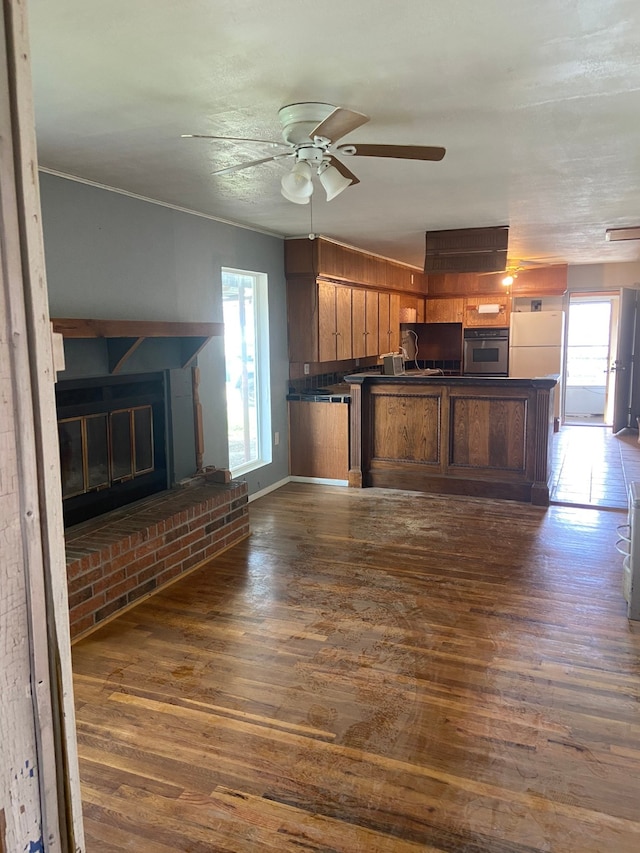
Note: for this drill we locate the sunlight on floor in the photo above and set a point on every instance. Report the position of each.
(593, 467)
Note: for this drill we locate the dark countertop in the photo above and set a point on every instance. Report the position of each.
(418, 377)
(331, 394)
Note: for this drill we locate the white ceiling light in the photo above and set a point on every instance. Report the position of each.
(333, 182)
(296, 185)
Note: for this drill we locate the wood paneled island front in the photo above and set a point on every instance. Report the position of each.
(485, 437)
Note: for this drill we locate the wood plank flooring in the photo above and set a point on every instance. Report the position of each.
(373, 671)
(593, 467)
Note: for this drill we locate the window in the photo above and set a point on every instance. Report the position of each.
(246, 346)
(588, 342)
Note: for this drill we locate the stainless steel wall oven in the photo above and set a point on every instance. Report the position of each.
(486, 352)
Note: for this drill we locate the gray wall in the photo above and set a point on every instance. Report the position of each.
(110, 256)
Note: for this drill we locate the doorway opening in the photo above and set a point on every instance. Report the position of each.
(592, 333)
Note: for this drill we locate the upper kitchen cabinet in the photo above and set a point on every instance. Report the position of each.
(409, 305)
(365, 320)
(537, 281)
(334, 322)
(388, 322)
(445, 310)
(488, 310)
(327, 259)
(302, 317)
(541, 281)
(464, 284)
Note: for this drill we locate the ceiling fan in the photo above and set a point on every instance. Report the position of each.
(310, 132)
(514, 267)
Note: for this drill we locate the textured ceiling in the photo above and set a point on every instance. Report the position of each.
(537, 104)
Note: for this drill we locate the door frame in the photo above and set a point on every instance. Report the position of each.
(586, 296)
(40, 805)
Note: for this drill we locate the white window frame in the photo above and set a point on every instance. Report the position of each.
(262, 370)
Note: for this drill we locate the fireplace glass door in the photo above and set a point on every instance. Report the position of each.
(112, 443)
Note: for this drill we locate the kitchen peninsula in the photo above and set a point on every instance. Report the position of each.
(484, 437)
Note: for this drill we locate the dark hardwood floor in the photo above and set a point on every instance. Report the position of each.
(373, 671)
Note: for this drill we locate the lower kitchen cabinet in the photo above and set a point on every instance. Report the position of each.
(319, 440)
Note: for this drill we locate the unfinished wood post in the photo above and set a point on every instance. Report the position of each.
(39, 784)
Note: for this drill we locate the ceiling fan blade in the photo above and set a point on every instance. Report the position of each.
(231, 139)
(338, 123)
(247, 165)
(400, 152)
(346, 173)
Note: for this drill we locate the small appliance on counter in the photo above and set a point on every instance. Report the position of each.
(392, 364)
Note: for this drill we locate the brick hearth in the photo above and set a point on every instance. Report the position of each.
(117, 558)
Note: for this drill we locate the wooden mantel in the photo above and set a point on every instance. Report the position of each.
(123, 337)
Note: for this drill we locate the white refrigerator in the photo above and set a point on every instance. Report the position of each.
(536, 342)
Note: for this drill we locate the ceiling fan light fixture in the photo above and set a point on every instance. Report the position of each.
(333, 182)
(296, 199)
(296, 185)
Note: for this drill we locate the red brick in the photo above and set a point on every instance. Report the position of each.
(150, 572)
(172, 552)
(199, 522)
(86, 607)
(149, 547)
(142, 589)
(78, 627)
(121, 588)
(110, 608)
(168, 574)
(193, 560)
(135, 567)
(121, 561)
(76, 598)
(109, 580)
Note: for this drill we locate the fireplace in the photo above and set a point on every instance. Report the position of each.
(139, 508)
(113, 442)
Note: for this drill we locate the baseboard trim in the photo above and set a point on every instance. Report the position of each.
(268, 489)
(322, 481)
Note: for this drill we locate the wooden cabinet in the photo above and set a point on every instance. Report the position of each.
(465, 284)
(334, 322)
(457, 435)
(302, 319)
(324, 258)
(412, 303)
(474, 317)
(371, 321)
(388, 322)
(450, 310)
(537, 281)
(358, 319)
(543, 281)
(319, 440)
(364, 314)
(364, 306)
